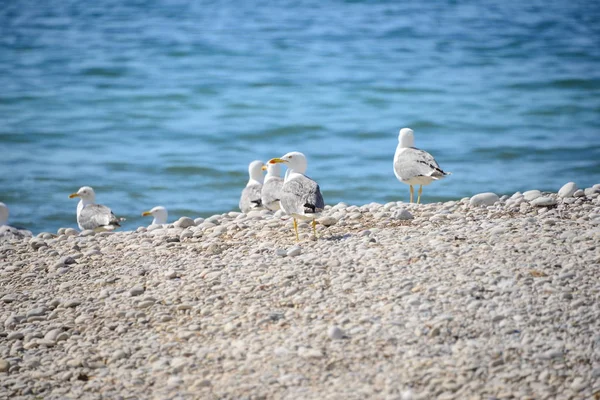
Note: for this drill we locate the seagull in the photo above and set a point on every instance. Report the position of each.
(414, 166)
(159, 213)
(91, 215)
(271, 189)
(250, 199)
(300, 196)
(7, 231)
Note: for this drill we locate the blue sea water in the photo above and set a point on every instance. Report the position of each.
(166, 102)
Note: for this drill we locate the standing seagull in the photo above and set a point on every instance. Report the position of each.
(159, 213)
(414, 166)
(271, 189)
(91, 215)
(7, 231)
(250, 199)
(300, 196)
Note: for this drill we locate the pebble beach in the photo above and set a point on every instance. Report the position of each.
(484, 297)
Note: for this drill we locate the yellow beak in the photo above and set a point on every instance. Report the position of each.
(72, 195)
(277, 161)
(264, 168)
(146, 213)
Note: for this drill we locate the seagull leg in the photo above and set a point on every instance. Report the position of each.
(420, 191)
(412, 193)
(296, 230)
(314, 225)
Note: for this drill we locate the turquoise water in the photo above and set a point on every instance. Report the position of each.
(167, 102)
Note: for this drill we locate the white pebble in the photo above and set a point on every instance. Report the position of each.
(568, 189)
(484, 199)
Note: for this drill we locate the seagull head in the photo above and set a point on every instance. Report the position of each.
(406, 137)
(85, 193)
(295, 161)
(272, 169)
(255, 170)
(159, 213)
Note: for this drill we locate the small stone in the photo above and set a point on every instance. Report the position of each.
(171, 274)
(568, 190)
(327, 221)
(137, 290)
(15, 336)
(67, 260)
(532, 195)
(309, 353)
(53, 334)
(335, 333)
(484, 199)
(402, 214)
(281, 252)
(36, 312)
(579, 193)
(37, 243)
(202, 383)
(87, 232)
(4, 365)
(543, 202)
(294, 251)
(186, 234)
(184, 222)
(118, 355)
(146, 304)
(198, 221)
(72, 303)
(71, 232)
(9, 298)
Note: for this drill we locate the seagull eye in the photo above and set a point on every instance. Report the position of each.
(290, 157)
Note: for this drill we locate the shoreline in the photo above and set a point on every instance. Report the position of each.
(472, 298)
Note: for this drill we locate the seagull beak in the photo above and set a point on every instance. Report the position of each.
(73, 195)
(146, 213)
(277, 161)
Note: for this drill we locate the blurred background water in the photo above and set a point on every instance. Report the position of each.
(166, 102)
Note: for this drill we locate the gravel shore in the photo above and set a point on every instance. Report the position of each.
(479, 298)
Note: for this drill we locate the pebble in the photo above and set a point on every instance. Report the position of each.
(543, 202)
(171, 274)
(335, 333)
(366, 295)
(484, 199)
(184, 222)
(327, 221)
(137, 290)
(402, 214)
(294, 251)
(531, 195)
(72, 303)
(568, 189)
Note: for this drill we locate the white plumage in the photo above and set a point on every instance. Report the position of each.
(414, 166)
(159, 213)
(250, 198)
(300, 196)
(91, 215)
(270, 193)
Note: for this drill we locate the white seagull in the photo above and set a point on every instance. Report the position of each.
(414, 166)
(7, 231)
(91, 215)
(250, 198)
(271, 189)
(159, 213)
(300, 196)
